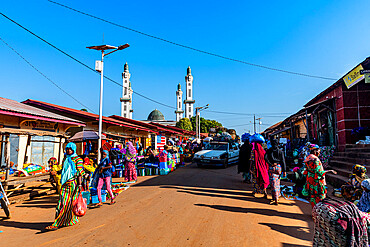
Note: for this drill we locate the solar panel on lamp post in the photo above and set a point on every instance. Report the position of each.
(99, 66)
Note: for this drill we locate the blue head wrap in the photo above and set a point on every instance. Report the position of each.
(69, 167)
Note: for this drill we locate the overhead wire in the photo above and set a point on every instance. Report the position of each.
(80, 62)
(46, 77)
(192, 48)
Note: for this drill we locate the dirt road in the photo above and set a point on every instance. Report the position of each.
(189, 207)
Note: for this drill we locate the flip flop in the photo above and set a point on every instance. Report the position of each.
(112, 202)
(51, 228)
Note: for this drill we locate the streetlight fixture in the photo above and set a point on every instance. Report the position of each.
(99, 67)
(197, 119)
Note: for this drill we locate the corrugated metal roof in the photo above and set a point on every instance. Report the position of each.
(16, 107)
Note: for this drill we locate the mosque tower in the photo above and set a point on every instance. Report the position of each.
(189, 102)
(179, 112)
(126, 100)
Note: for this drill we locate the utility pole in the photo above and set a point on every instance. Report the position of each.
(197, 119)
(254, 123)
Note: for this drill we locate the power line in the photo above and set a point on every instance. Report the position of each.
(192, 48)
(251, 114)
(83, 64)
(47, 78)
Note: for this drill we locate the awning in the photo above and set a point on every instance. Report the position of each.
(86, 135)
(282, 130)
(29, 132)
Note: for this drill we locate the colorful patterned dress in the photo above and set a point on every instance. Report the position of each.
(130, 169)
(274, 173)
(68, 193)
(315, 187)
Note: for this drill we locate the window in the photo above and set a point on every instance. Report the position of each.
(189, 92)
(179, 105)
(42, 148)
(124, 115)
(125, 107)
(125, 91)
(189, 109)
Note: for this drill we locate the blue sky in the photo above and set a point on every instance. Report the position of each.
(326, 38)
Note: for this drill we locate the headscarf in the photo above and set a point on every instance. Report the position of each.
(130, 150)
(69, 167)
(54, 165)
(103, 160)
(313, 147)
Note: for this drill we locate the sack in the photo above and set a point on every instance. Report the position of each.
(79, 206)
(257, 138)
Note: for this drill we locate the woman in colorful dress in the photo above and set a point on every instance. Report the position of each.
(71, 184)
(275, 173)
(56, 171)
(352, 191)
(130, 161)
(315, 187)
(259, 170)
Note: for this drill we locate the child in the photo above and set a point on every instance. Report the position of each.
(105, 174)
(275, 173)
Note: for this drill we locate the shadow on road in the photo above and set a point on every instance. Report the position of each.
(293, 231)
(262, 211)
(41, 203)
(23, 225)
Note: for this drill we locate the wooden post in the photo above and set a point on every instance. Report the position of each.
(60, 148)
(25, 152)
(7, 156)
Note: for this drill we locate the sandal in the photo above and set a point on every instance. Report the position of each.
(51, 228)
(112, 202)
(99, 204)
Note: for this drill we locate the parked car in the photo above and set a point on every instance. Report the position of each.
(217, 153)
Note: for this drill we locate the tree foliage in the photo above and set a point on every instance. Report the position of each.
(185, 124)
(205, 124)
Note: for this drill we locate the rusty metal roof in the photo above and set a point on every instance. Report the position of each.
(12, 107)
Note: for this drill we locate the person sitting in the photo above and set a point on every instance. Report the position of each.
(364, 203)
(352, 191)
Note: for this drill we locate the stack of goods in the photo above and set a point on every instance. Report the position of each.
(257, 138)
(163, 169)
(288, 193)
(33, 169)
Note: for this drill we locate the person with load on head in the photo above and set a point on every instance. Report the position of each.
(71, 184)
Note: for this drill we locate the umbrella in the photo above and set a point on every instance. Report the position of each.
(85, 136)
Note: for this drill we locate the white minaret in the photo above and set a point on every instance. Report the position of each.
(126, 100)
(179, 112)
(189, 102)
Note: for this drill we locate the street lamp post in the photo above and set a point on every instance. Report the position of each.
(197, 119)
(99, 66)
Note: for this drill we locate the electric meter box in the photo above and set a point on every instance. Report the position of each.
(98, 65)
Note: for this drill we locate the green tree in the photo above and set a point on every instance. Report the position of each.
(205, 124)
(185, 124)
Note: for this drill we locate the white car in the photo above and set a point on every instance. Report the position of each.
(217, 154)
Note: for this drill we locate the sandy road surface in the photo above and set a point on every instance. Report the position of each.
(189, 207)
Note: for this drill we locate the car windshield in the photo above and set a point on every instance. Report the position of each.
(216, 146)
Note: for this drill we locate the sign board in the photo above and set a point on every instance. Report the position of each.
(367, 78)
(283, 140)
(40, 125)
(353, 77)
(364, 71)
